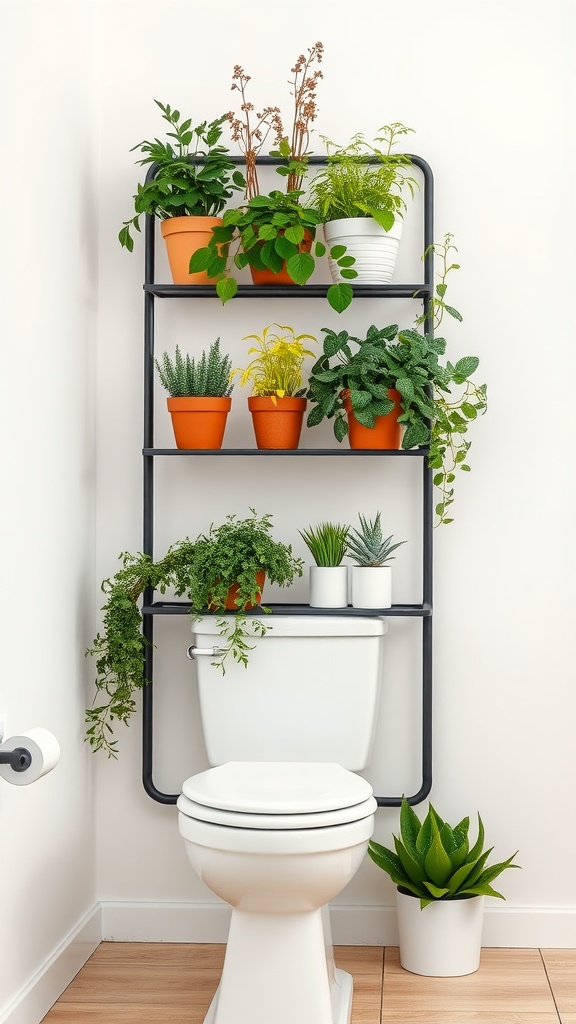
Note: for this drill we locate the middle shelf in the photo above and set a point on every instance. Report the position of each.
(423, 610)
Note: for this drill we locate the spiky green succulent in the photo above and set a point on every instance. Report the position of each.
(435, 862)
(207, 377)
(367, 546)
(326, 542)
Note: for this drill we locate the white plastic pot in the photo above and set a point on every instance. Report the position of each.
(374, 249)
(442, 941)
(371, 586)
(328, 586)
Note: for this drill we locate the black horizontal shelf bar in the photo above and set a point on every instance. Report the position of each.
(346, 452)
(275, 291)
(397, 610)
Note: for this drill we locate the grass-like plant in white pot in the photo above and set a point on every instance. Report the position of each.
(361, 196)
(328, 577)
(441, 883)
(371, 575)
(199, 390)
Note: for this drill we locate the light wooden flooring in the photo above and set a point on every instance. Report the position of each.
(173, 983)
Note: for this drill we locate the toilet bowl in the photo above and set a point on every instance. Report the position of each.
(278, 839)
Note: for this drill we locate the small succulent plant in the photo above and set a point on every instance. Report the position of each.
(434, 860)
(326, 542)
(209, 377)
(367, 546)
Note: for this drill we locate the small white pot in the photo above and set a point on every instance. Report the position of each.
(442, 941)
(374, 249)
(328, 586)
(371, 586)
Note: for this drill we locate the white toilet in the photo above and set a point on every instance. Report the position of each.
(281, 823)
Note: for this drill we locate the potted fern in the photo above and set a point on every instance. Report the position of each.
(277, 403)
(361, 197)
(199, 391)
(441, 883)
(371, 575)
(328, 577)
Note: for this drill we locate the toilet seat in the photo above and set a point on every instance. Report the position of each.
(277, 795)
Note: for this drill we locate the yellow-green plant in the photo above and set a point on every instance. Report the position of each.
(276, 369)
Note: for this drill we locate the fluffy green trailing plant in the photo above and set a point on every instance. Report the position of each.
(326, 542)
(367, 546)
(207, 377)
(438, 398)
(364, 179)
(203, 570)
(194, 175)
(277, 367)
(265, 234)
(435, 861)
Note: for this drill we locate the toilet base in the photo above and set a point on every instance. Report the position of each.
(341, 990)
(276, 971)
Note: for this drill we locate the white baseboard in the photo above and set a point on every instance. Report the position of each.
(49, 982)
(531, 927)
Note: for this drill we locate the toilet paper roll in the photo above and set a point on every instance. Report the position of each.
(44, 750)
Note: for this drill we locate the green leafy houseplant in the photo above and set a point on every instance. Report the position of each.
(438, 399)
(267, 234)
(326, 542)
(435, 861)
(194, 175)
(209, 376)
(367, 545)
(364, 180)
(276, 369)
(203, 570)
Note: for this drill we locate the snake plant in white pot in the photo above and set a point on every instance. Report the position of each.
(441, 884)
(371, 576)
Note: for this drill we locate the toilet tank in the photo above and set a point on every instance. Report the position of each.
(310, 691)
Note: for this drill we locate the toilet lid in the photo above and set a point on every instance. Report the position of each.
(278, 794)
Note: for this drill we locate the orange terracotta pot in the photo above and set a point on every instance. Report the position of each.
(183, 236)
(199, 422)
(279, 424)
(233, 595)
(281, 277)
(386, 432)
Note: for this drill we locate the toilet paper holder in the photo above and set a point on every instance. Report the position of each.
(19, 759)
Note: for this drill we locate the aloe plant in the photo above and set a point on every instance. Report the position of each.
(367, 546)
(434, 861)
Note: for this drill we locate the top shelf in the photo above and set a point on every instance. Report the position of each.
(308, 291)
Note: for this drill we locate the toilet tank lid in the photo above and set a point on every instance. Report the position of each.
(306, 625)
(277, 787)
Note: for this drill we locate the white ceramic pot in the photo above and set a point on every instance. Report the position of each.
(328, 586)
(442, 941)
(374, 249)
(371, 586)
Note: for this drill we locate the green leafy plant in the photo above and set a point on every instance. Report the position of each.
(194, 175)
(207, 377)
(435, 861)
(326, 542)
(367, 545)
(203, 570)
(438, 399)
(277, 368)
(364, 180)
(267, 233)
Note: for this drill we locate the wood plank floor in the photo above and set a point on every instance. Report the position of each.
(173, 983)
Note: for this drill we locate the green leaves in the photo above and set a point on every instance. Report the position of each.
(433, 860)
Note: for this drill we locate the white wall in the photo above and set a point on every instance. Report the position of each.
(48, 316)
(489, 89)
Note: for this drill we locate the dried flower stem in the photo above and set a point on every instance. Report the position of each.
(251, 139)
(304, 93)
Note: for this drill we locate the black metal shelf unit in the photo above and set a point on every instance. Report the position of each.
(153, 290)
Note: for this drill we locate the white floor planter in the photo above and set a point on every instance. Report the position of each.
(328, 586)
(374, 249)
(371, 586)
(443, 940)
